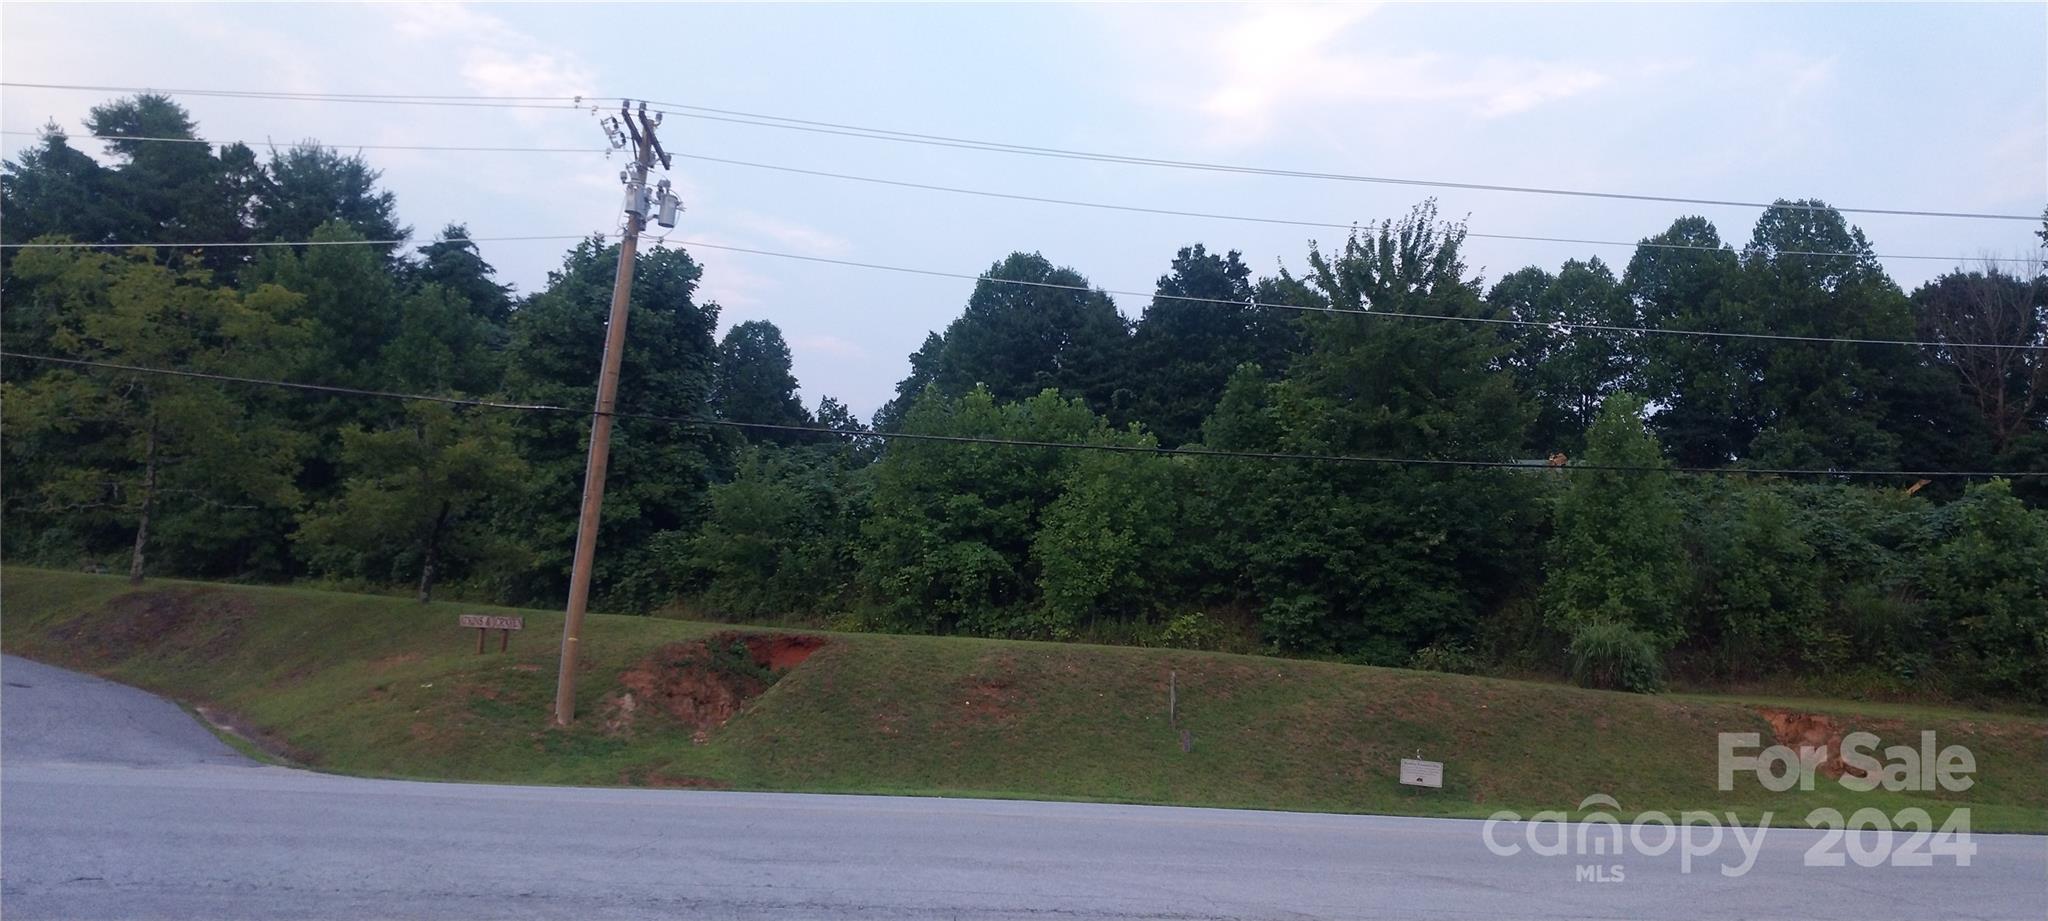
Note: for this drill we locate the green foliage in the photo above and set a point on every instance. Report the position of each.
(1757, 586)
(1047, 329)
(1453, 657)
(307, 186)
(1740, 578)
(1567, 372)
(1200, 327)
(779, 538)
(101, 452)
(415, 498)
(1615, 557)
(754, 382)
(948, 539)
(658, 472)
(1987, 579)
(1615, 657)
(1107, 547)
(1367, 561)
(1191, 630)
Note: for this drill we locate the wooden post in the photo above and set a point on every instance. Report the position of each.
(1172, 698)
(480, 640)
(504, 640)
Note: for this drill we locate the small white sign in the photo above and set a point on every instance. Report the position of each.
(1417, 773)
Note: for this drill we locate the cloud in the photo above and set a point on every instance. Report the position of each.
(828, 345)
(808, 241)
(495, 59)
(1262, 68)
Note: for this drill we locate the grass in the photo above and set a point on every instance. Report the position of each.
(386, 687)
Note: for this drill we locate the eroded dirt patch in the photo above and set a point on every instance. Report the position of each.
(205, 622)
(1802, 731)
(704, 684)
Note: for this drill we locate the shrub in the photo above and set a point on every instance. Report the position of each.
(1451, 657)
(1615, 657)
(1193, 630)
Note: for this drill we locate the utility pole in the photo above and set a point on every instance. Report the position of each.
(646, 150)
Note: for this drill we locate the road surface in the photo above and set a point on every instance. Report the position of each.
(115, 804)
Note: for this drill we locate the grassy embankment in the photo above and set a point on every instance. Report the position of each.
(386, 687)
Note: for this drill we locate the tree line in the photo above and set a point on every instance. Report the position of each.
(1587, 553)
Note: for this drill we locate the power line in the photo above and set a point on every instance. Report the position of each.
(1369, 314)
(1011, 196)
(663, 240)
(262, 243)
(882, 134)
(459, 101)
(762, 120)
(459, 148)
(1005, 442)
(1138, 209)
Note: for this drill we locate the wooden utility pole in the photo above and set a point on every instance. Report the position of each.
(646, 149)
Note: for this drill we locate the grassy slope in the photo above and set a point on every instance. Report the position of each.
(386, 687)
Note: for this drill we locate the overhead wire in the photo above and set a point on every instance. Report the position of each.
(1369, 313)
(453, 148)
(1012, 442)
(1294, 222)
(757, 119)
(798, 124)
(264, 243)
(663, 240)
(1049, 200)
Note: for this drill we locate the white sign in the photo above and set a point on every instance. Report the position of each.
(1422, 773)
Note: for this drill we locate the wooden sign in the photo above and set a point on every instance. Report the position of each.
(1417, 773)
(488, 622)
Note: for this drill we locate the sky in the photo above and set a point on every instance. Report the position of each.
(1929, 107)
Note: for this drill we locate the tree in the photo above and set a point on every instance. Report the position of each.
(1615, 557)
(1757, 584)
(1703, 387)
(780, 537)
(755, 383)
(1824, 404)
(351, 300)
(1371, 561)
(1111, 546)
(1029, 326)
(2008, 387)
(1986, 582)
(129, 449)
(1567, 371)
(454, 262)
(307, 186)
(416, 497)
(946, 546)
(172, 191)
(1202, 324)
(659, 471)
(54, 188)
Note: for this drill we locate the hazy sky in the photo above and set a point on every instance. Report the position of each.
(1941, 107)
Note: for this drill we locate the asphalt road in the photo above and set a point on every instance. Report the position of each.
(115, 804)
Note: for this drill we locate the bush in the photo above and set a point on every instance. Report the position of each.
(1615, 657)
(1454, 657)
(1193, 630)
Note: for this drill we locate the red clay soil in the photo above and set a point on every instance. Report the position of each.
(783, 651)
(688, 682)
(1800, 731)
